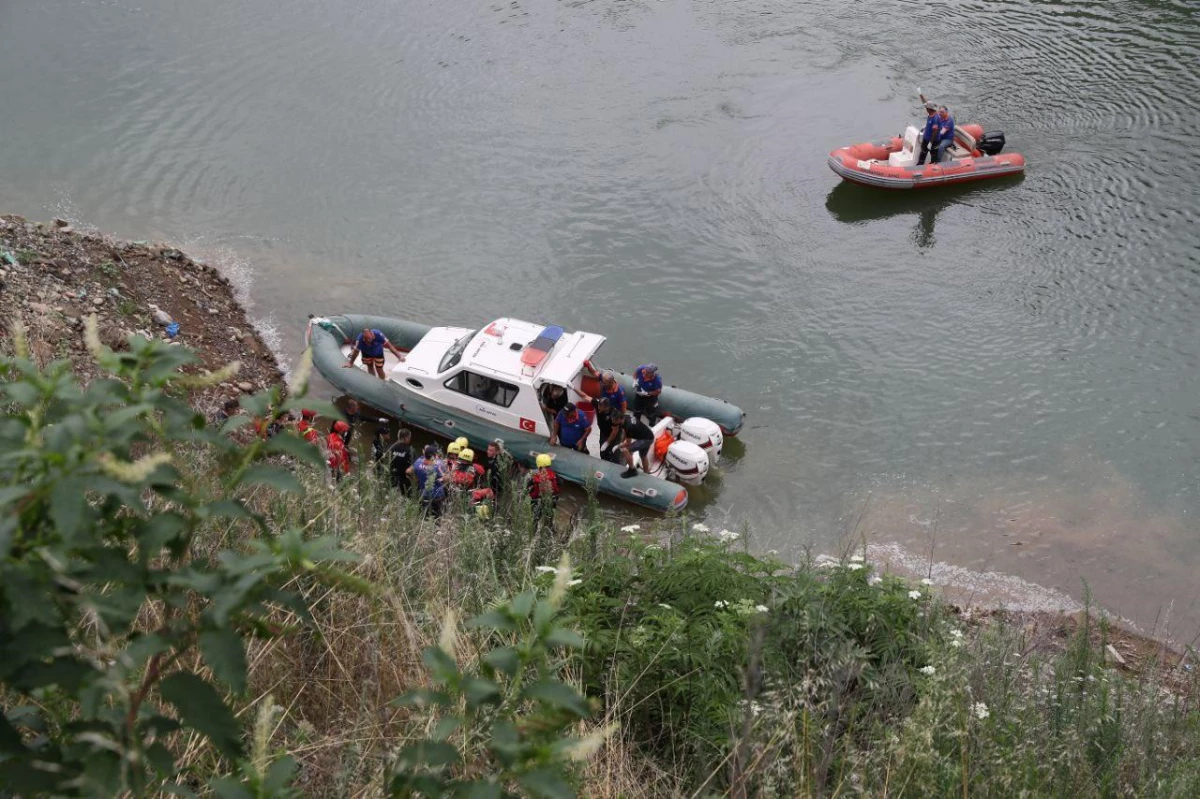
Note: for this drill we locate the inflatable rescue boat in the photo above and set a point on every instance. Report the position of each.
(892, 164)
(484, 384)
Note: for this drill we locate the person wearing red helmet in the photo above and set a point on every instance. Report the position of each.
(307, 426)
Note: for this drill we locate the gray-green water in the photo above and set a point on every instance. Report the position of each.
(961, 370)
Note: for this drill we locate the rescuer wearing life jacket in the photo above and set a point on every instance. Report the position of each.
(339, 454)
(371, 344)
(647, 386)
(307, 426)
(467, 473)
(543, 489)
(928, 133)
(452, 451)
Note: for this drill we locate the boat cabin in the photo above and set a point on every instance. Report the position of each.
(498, 371)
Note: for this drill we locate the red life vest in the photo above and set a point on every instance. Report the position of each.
(339, 458)
(543, 480)
(308, 432)
(466, 478)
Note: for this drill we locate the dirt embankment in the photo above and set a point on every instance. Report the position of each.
(52, 277)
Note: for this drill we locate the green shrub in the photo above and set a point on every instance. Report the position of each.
(123, 629)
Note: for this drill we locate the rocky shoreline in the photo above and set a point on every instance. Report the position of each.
(52, 277)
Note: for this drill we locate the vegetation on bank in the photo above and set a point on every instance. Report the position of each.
(183, 612)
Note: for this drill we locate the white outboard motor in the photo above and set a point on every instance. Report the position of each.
(705, 434)
(686, 463)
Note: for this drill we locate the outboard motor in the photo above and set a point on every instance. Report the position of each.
(686, 463)
(705, 434)
(991, 142)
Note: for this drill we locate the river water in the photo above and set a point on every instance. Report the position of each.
(1002, 377)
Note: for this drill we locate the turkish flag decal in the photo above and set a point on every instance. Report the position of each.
(528, 425)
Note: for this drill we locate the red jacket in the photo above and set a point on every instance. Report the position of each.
(543, 480)
(339, 457)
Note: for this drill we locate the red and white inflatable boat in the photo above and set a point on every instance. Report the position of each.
(892, 164)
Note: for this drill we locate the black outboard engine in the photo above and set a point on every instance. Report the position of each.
(991, 142)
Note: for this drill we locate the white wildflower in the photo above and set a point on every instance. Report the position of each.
(854, 566)
(856, 558)
(631, 528)
(574, 583)
(956, 643)
(700, 528)
(761, 608)
(928, 671)
(664, 606)
(728, 536)
(720, 603)
(653, 548)
(914, 594)
(956, 634)
(926, 581)
(874, 579)
(980, 710)
(547, 569)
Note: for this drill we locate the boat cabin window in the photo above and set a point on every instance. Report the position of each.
(455, 353)
(483, 388)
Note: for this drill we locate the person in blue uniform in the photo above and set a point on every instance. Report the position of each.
(430, 474)
(370, 344)
(647, 386)
(928, 133)
(571, 428)
(945, 134)
(611, 390)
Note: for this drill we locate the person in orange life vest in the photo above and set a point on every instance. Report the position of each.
(339, 455)
(467, 473)
(307, 426)
(371, 344)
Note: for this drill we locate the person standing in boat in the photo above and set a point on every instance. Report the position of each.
(638, 438)
(553, 398)
(571, 428)
(647, 386)
(928, 133)
(945, 134)
(370, 344)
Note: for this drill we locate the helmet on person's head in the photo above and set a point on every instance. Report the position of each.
(467, 455)
(308, 414)
(454, 448)
(462, 442)
(544, 461)
(341, 427)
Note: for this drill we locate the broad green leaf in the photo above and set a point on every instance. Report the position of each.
(431, 754)
(506, 742)
(160, 530)
(479, 789)
(523, 604)
(273, 476)
(559, 695)
(440, 665)
(226, 509)
(421, 697)
(226, 655)
(561, 636)
(230, 788)
(494, 619)
(289, 444)
(546, 783)
(504, 659)
(279, 774)
(446, 727)
(479, 691)
(202, 708)
(160, 759)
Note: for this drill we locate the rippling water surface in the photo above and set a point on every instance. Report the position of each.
(1004, 376)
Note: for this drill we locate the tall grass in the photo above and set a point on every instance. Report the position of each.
(727, 674)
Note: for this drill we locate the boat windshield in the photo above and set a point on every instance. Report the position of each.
(455, 353)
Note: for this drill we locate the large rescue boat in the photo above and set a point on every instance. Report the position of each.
(484, 384)
(892, 164)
